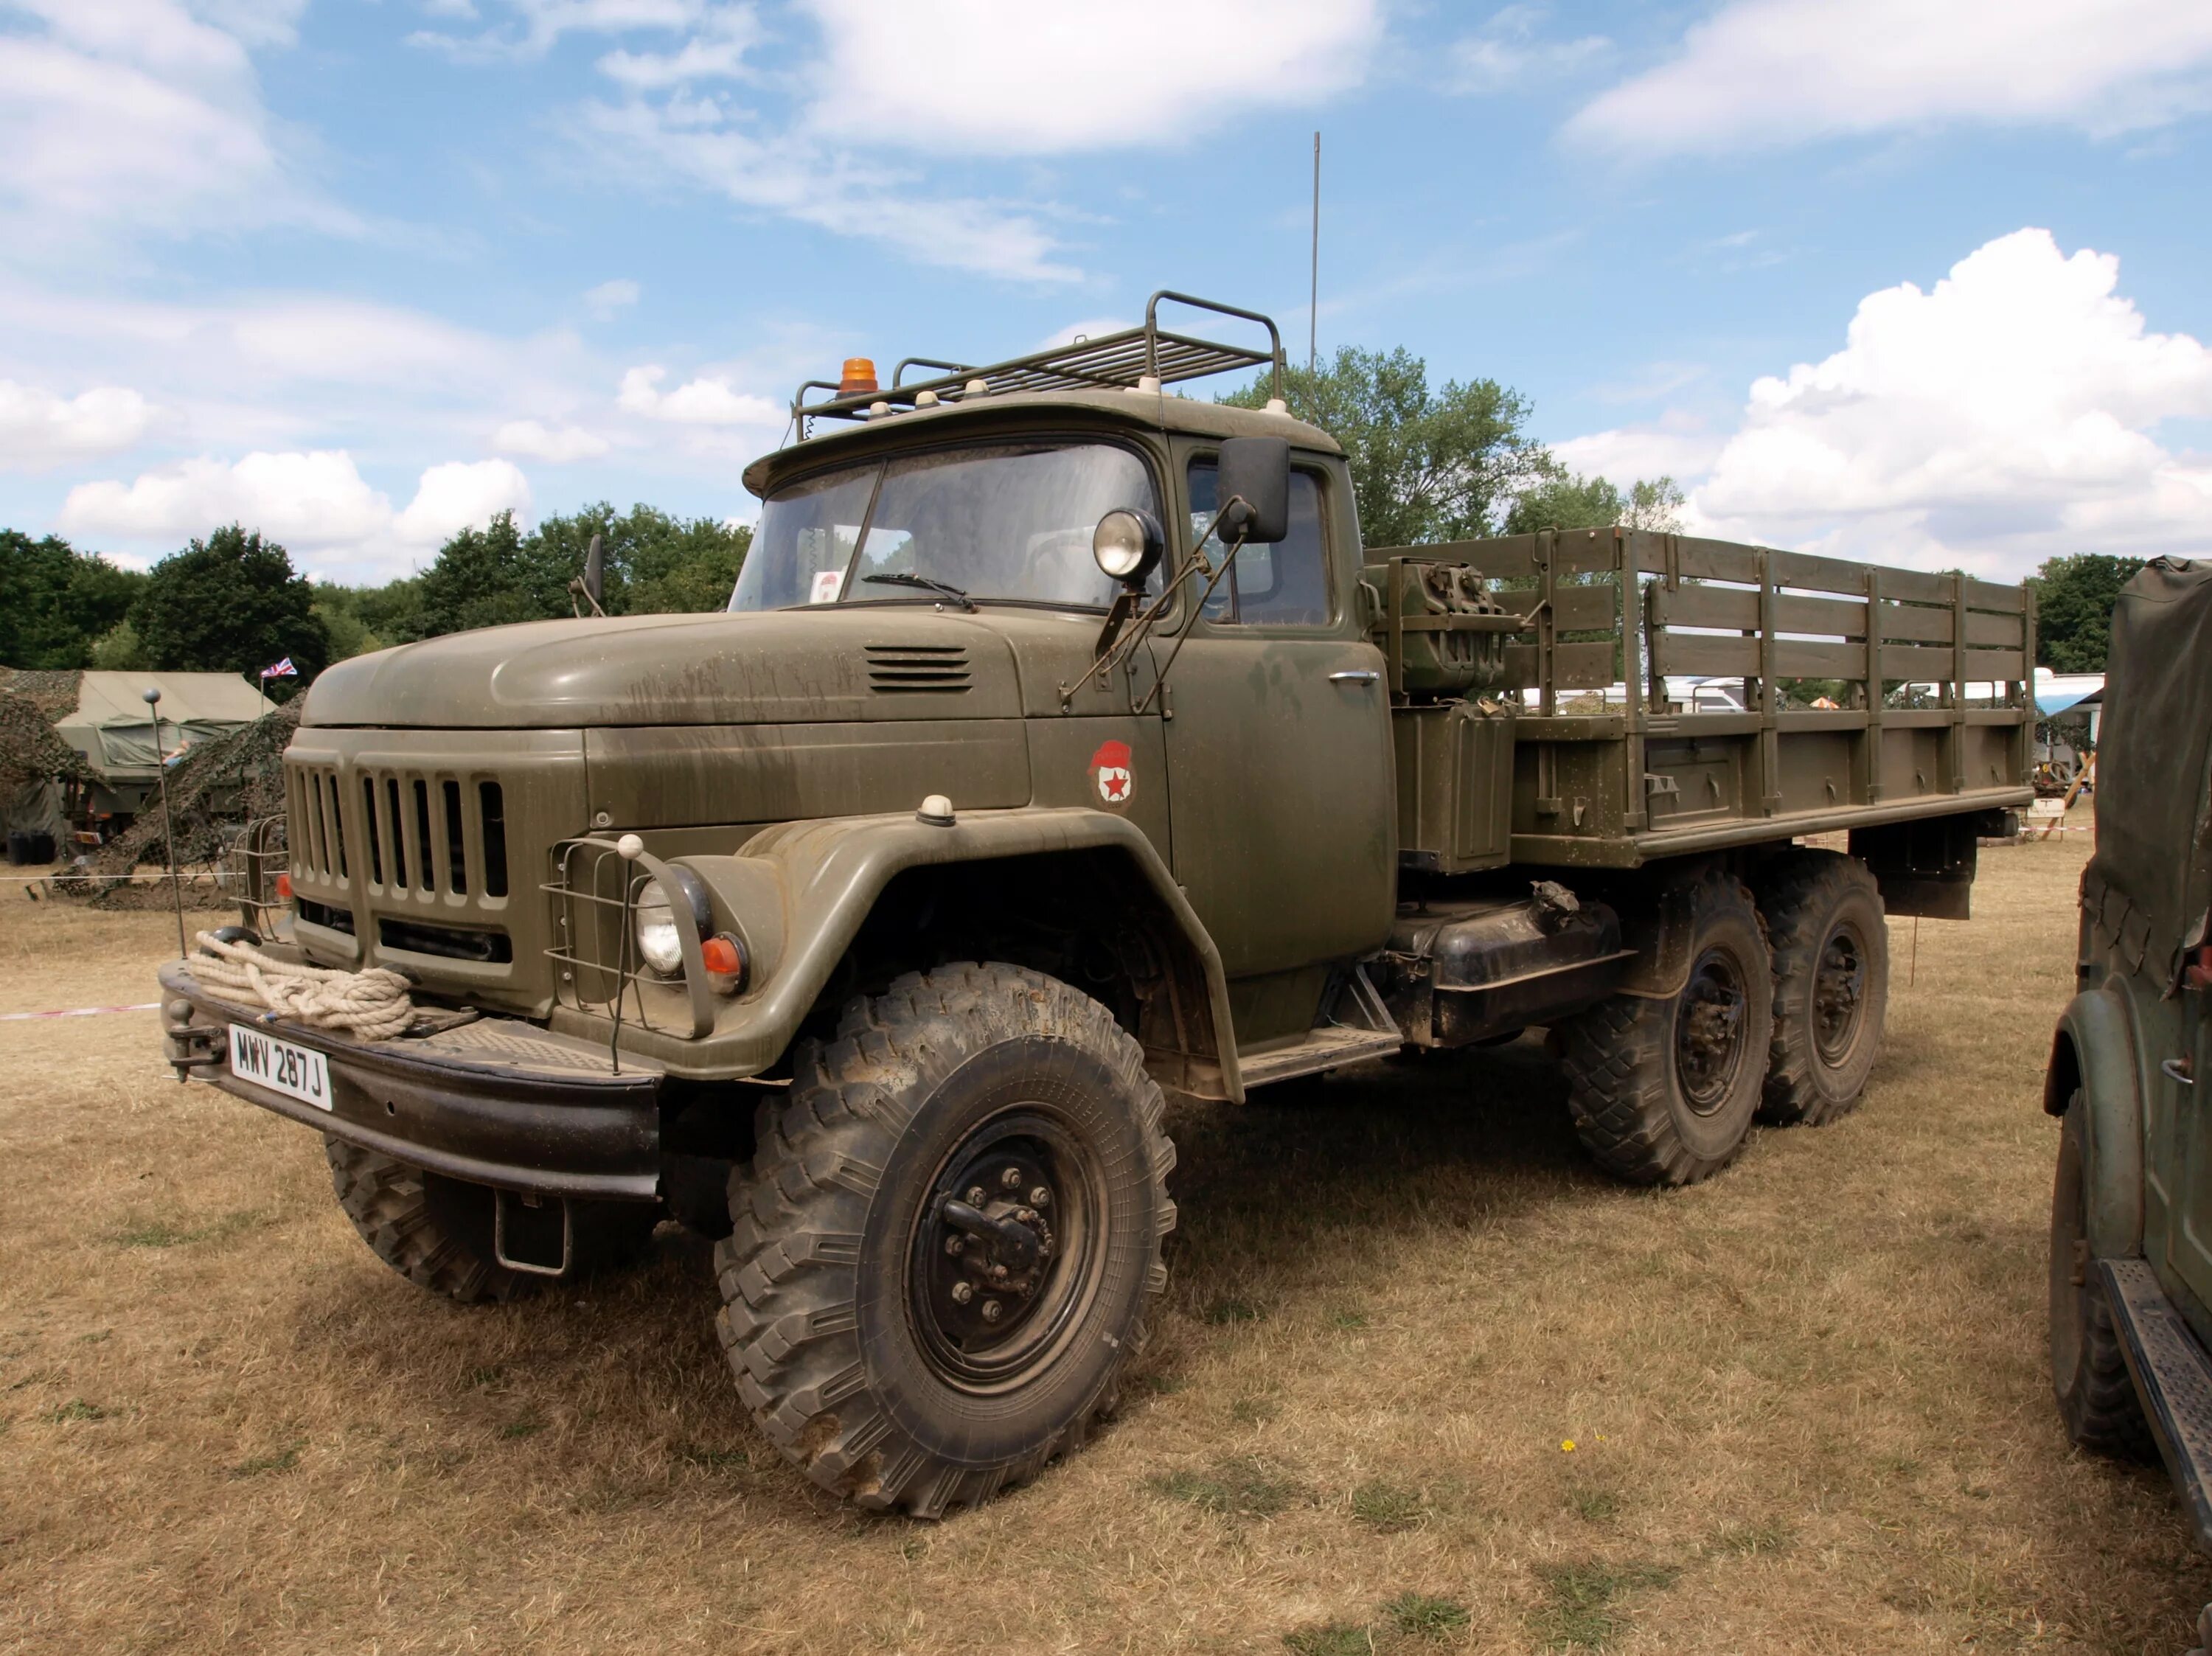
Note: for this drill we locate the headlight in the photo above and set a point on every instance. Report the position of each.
(1127, 544)
(653, 920)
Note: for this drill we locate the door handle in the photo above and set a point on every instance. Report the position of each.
(1361, 676)
(2177, 1069)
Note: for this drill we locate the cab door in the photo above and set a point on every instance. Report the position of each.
(2181, 1040)
(1279, 763)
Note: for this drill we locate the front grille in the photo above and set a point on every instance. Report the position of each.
(917, 669)
(432, 836)
(318, 846)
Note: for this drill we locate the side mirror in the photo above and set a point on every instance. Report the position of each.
(595, 572)
(1257, 470)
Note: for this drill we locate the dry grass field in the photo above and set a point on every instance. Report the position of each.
(1807, 1402)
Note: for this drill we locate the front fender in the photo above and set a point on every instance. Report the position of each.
(799, 893)
(2093, 1055)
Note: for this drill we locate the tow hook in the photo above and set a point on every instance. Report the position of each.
(189, 1046)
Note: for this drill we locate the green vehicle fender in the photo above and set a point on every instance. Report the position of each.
(799, 893)
(2095, 1055)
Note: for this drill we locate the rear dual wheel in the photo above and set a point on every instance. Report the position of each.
(1779, 1017)
(1831, 947)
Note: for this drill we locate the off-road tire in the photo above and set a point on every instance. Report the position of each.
(2088, 1375)
(1631, 1105)
(821, 1316)
(1822, 908)
(429, 1231)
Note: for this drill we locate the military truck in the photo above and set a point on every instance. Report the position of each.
(2131, 1204)
(1062, 751)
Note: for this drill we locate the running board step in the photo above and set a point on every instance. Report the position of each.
(2173, 1376)
(1324, 1049)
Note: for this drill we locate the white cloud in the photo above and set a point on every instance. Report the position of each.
(708, 142)
(701, 402)
(1013, 76)
(462, 494)
(1097, 327)
(1508, 52)
(316, 503)
(604, 300)
(38, 429)
(1674, 448)
(2009, 414)
(716, 53)
(310, 501)
(1783, 71)
(136, 115)
(538, 25)
(555, 445)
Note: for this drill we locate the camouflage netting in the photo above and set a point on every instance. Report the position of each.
(216, 788)
(30, 749)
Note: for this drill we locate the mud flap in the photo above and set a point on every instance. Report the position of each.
(1926, 866)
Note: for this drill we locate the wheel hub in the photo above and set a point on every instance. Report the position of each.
(1708, 1032)
(993, 1273)
(1839, 992)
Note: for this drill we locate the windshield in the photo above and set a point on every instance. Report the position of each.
(1006, 520)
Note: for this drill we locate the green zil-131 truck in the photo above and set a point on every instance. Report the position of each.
(1062, 749)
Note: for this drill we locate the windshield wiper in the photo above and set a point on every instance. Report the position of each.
(944, 589)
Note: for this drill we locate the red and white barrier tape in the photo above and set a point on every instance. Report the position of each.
(78, 1011)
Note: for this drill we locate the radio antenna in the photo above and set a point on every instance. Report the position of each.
(1312, 298)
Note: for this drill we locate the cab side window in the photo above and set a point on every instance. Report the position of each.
(1285, 585)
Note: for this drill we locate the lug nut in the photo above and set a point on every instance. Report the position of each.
(992, 1311)
(954, 1244)
(977, 1196)
(963, 1292)
(1010, 1178)
(1040, 1198)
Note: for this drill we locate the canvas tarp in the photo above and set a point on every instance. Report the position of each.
(2147, 887)
(113, 728)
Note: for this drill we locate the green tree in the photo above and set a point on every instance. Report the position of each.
(1654, 504)
(1564, 500)
(655, 563)
(2074, 600)
(56, 602)
(485, 577)
(1427, 466)
(230, 603)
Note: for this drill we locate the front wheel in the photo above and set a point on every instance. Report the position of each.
(947, 1240)
(2088, 1376)
(1663, 1088)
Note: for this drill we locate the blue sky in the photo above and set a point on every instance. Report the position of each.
(1889, 278)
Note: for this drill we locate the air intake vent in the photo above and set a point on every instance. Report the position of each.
(917, 669)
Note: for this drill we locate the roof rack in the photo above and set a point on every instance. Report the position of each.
(1119, 361)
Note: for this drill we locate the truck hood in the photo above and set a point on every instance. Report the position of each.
(776, 667)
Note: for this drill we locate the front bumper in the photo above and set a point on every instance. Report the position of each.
(497, 1101)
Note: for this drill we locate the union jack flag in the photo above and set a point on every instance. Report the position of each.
(283, 668)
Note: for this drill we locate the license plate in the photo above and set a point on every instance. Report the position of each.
(261, 1059)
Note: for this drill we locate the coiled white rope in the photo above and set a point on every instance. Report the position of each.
(371, 1005)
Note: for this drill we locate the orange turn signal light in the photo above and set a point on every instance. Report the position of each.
(284, 888)
(724, 957)
(859, 375)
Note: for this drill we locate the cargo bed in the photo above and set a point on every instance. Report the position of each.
(1651, 699)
